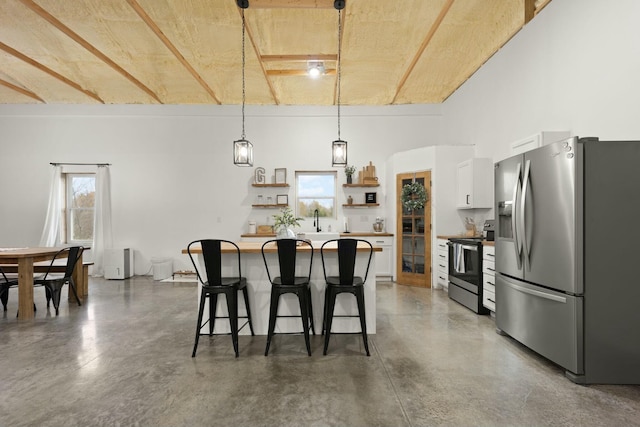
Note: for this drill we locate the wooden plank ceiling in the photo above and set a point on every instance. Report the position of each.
(189, 52)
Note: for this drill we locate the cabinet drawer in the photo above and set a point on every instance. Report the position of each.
(488, 283)
(488, 267)
(442, 257)
(443, 279)
(442, 245)
(381, 241)
(443, 268)
(488, 252)
(489, 300)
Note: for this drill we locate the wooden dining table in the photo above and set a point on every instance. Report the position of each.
(25, 259)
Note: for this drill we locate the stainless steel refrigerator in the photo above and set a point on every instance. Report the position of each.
(568, 256)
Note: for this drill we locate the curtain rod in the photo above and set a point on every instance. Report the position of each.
(81, 164)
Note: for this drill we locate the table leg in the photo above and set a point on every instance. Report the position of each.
(78, 278)
(25, 288)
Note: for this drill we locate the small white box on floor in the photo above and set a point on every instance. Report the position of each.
(118, 263)
(162, 268)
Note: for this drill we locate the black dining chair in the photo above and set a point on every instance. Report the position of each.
(217, 284)
(285, 281)
(53, 281)
(345, 282)
(6, 282)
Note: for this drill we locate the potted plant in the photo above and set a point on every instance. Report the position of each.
(284, 222)
(349, 170)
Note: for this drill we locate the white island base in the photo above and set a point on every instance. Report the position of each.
(259, 287)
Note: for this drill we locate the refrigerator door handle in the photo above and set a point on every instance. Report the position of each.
(526, 244)
(538, 293)
(517, 244)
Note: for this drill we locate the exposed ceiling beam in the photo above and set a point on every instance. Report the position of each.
(291, 4)
(540, 4)
(529, 10)
(49, 71)
(158, 32)
(21, 90)
(423, 46)
(298, 58)
(88, 46)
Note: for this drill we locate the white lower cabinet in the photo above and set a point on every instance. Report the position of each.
(489, 277)
(442, 264)
(384, 259)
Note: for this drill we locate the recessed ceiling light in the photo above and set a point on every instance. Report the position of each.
(315, 69)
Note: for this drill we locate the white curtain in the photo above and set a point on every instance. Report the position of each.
(51, 231)
(102, 231)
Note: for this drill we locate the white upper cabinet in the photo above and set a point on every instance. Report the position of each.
(538, 140)
(475, 184)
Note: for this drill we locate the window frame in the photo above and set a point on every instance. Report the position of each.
(66, 229)
(333, 198)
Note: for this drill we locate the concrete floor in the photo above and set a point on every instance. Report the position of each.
(124, 359)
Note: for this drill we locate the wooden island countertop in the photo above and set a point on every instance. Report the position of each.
(256, 248)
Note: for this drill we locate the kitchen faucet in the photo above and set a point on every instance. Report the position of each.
(316, 220)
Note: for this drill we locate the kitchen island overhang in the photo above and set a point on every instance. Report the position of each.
(253, 269)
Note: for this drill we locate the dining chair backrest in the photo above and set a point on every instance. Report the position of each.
(72, 254)
(212, 255)
(347, 255)
(287, 254)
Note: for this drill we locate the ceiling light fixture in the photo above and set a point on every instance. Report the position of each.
(315, 69)
(339, 147)
(242, 148)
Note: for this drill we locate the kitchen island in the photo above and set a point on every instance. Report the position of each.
(253, 269)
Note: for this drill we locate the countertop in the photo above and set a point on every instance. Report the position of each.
(256, 248)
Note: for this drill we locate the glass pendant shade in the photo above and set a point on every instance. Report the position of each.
(242, 153)
(339, 153)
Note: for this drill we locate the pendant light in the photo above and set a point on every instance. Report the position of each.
(242, 148)
(339, 147)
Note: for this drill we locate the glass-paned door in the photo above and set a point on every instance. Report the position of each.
(414, 235)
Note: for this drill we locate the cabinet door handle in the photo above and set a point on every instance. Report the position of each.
(491, 255)
(467, 198)
(490, 269)
(490, 283)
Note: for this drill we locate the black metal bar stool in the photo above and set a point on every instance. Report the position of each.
(287, 282)
(345, 282)
(216, 284)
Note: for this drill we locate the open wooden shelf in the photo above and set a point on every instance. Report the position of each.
(361, 185)
(272, 206)
(270, 185)
(360, 205)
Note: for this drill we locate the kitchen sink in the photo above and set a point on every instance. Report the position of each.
(321, 236)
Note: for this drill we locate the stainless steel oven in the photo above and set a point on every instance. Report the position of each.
(465, 273)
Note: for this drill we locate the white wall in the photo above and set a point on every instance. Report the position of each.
(574, 67)
(173, 179)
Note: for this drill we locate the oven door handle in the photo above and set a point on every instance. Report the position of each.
(469, 248)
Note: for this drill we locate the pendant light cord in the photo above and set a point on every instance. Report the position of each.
(243, 84)
(339, 64)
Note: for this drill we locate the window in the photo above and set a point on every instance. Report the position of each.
(79, 207)
(316, 190)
